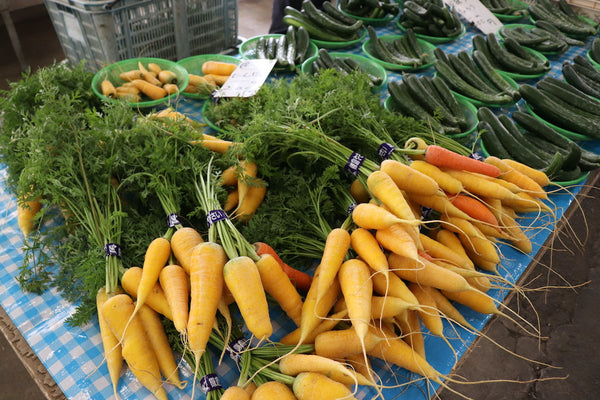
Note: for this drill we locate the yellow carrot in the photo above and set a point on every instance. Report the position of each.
(316, 386)
(336, 247)
(156, 298)
(295, 364)
(156, 257)
(409, 179)
(110, 343)
(273, 390)
(174, 281)
(183, 242)
(425, 272)
(118, 312)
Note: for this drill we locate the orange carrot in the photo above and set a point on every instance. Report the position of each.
(300, 279)
(474, 208)
(444, 158)
(218, 67)
(153, 91)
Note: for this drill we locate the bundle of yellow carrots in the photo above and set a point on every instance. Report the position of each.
(382, 275)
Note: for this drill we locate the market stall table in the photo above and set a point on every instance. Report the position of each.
(73, 356)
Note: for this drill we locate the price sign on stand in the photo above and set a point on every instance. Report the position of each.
(475, 12)
(247, 78)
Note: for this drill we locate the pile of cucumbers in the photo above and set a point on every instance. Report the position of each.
(510, 56)
(543, 37)
(594, 51)
(430, 18)
(372, 9)
(344, 65)
(405, 50)
(561, 15)
(562, 104)
(428, 99)
(473, 76)
(506, 7)
(526, 139)
(289, 49)
(328, 24)
(582, 74)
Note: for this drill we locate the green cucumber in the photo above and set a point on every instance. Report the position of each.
(464, 66)
(570, 94)
(402, 101)
(493, 146)
(281, 51)
(580, 81)
(428, 101)
(298, 19)
(261, 47)
(497, 79)
(335, 12)
(302, 44)
(448, 99)
(290, 54)
(321, 18)
(551, 111)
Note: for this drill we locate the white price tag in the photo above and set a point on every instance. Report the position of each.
(475, 12)
(246, 79)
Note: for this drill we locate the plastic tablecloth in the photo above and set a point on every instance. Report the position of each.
(74, 357)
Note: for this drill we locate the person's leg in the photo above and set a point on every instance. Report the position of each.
(278, 12)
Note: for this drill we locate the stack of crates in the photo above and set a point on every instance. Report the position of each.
(105, 31)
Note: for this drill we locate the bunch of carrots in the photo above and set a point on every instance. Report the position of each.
(214, 75)
(380, 276)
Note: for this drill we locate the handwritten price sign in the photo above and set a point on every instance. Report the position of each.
(475, 12)
(247, 78)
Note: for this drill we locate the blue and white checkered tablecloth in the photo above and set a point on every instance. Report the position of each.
(73, 356)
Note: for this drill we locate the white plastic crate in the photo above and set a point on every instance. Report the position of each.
(102, 32)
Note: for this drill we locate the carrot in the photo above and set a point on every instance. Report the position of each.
(229, 176)
(26, 212)
(440, 203)
(447, 183)
(295, 364)
(300, 279)
(481, 185)
(516, 235)
(217, 79)
(183, 242)
(383, 307)
(444, 158)
(474, 208)
(110, 343)
(401, 354)
(218, 67)
(155, 332)
(107, 88)
(312, 310)
(451, 240)
(243, 280)
(440, 251)
(357, 289)
(372, 216)
(253, 198)
(206, 283)
(336, 247)
(130, 76)
(398, 240)
(517, 177)
(324, 325)
(427, 273)
(156, 298)
(248, 172)
(474, 299)
(167, 77)
(367, 247)
(170, 88)
(429, 313)
(155, 68)
(524, 202)
(174, 281)
(472, 239)
(538, 176)
(446, 308)
(410, 326)
(316, 386)
(220, 146)
(341, 343)
(393, 286)
(232, 200)
(235, 393)
(272, 390)
(359, 192)
(383, 187)
(119, 314)
(409, 179)
(153, 91)
(156, 257)
(277, 284)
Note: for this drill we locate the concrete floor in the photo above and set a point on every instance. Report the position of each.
(567, 316)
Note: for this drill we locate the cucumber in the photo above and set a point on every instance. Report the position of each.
(290, 54)
(492, 144)
(494, 76)
(480, 43)
(455, 81)
(271, 50)
(570, 94)
(467, 71)
(334, 12)
(550, 110)
(321, 18)
(511, 143)
(281, 51)
(509, 61)
(580, 81)
(302, 44)
(448, 99)
(381, 51)
(426, 99)
(402, 101)
(298, 19)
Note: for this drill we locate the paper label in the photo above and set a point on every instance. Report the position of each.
(247, 78)
(476, 13)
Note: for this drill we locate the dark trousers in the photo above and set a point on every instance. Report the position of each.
(278, 12)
